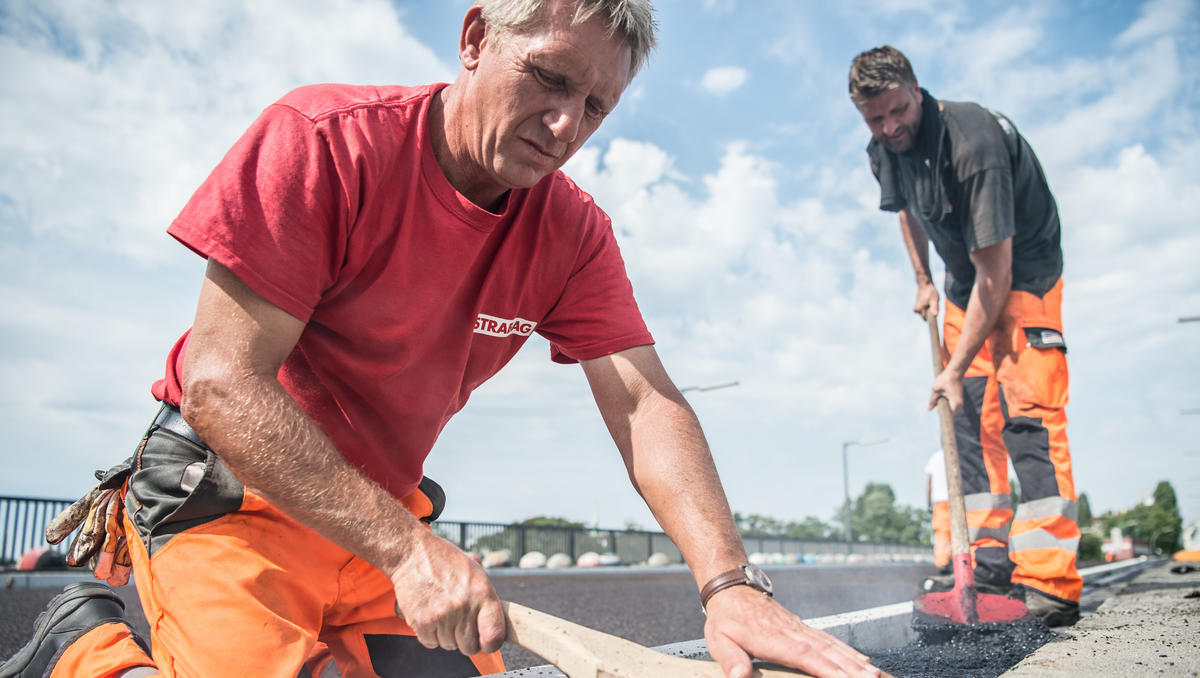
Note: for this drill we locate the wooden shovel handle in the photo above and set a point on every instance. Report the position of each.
(960, 542)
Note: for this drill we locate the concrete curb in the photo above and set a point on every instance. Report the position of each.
(1145, 627)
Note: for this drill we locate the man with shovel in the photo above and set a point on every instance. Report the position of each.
(375, 254)
(961, 176)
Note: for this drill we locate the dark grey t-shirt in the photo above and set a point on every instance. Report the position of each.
(991, 188)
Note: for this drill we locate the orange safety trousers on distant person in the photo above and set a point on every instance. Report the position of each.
(250, 592)
(1014, 400)
(941, 533)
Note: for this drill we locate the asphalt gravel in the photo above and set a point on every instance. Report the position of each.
(980, 651)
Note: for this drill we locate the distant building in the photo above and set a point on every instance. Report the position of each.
(1119, 547)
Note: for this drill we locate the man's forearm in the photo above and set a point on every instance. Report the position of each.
(672, 468)
(916, 243)
(668, 460)
(233, 398)
(272, 446)
(987, 300)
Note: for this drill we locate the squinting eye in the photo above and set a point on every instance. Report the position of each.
(547, 80)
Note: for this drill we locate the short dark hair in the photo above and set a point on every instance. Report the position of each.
(878, 70)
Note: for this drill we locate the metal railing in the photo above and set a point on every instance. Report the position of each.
(23, 524)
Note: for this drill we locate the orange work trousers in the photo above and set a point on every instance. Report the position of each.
(941, 533)
(1014, 400)
(233, 587)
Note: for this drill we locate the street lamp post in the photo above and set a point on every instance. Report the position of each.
(712, 387)
(1190, 319)
(846, 483)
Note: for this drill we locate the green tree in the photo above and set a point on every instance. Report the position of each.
(550, 521)
(1090, 547)
(758, 525)
(809, 528)
(547, 534)
(1156, 522)
(1085, 510)
(1166, 525)
(874, 516)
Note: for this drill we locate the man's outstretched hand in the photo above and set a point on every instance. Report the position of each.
(744, 624)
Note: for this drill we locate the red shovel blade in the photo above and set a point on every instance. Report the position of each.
(964, 604)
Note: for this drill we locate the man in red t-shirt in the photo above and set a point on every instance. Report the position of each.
(374, 254)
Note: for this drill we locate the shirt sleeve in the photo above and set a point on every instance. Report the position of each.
(596, 314)
(272, 212)
(984, 171)
(990, 216)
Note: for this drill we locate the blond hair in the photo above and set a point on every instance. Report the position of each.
(632, 20)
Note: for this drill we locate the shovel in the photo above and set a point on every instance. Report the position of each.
(581, 652)
(963, 604)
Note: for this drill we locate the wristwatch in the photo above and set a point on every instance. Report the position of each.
(746, 574)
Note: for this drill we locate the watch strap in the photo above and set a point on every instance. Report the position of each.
(735, 577)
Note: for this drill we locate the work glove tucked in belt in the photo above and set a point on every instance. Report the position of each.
(101, 542)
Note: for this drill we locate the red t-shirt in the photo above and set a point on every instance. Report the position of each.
(333, 208)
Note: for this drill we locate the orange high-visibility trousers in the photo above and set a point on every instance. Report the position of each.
(249, 591)
(1014, 399)
(940, 520)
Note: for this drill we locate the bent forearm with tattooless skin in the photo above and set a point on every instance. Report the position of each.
(993, 282)
(669, 462)
(231, 396)
(916, 243)
(667, 457)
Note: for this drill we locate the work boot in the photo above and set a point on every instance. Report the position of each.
(1054, 611)
(945, 582)
(80, 608)
(938, 583)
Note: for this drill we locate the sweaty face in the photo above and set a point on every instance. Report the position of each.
(538, 96)
(894, 117)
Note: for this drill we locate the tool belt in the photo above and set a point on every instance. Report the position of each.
(99, 516)
(179, 483)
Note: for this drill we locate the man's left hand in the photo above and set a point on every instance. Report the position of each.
(949, 385)
(744, 624)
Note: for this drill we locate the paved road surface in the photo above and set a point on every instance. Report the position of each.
(651, 607)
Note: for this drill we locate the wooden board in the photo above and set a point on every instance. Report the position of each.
(581, 652)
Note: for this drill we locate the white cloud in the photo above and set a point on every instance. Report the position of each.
(722, 80)
(134, 104)
(117, 113)
(1136, 90)
(1159, 17)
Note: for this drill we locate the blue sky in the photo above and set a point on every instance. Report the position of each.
(735, 174)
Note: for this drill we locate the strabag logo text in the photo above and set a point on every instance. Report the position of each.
(503, 327)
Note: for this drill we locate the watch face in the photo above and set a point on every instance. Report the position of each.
(756, 577)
